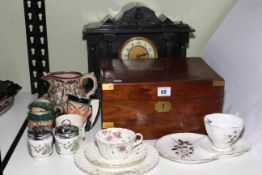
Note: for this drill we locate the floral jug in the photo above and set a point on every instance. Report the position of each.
(61, 84)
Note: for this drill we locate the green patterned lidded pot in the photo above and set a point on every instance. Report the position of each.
(40, 142)
(41, 104)
(40, 119)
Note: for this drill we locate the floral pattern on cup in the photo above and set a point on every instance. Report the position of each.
(45, 149)
(67, 147)
(223, 130)
(117, 143)
(40, 148)
(231, 138)
(71, 146)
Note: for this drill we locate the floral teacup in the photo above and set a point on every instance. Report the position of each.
(223, 130)
(117, 143)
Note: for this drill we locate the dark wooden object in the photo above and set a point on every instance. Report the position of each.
(37, 45)
(130, 100)
(105, 38)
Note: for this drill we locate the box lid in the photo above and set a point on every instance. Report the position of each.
(156, 70)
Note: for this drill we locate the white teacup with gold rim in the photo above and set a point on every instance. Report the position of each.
(223, 130)
(117, 143)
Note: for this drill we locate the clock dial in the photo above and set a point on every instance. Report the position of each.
(138, 48)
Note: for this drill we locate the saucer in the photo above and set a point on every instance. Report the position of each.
(184, 148)
(92, 153)
(149, 162)
(237, 148)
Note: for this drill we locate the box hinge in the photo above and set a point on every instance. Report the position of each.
(107, 124)
(107, 86)
(218, 83)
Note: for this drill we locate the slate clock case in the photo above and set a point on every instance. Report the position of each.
(136, 25)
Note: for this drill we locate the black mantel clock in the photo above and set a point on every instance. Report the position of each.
(137, 34)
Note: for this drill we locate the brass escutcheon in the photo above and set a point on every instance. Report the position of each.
(163, 106)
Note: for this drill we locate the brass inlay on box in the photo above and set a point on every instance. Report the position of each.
(107, 86)
(107, 124)
(218, 83)
(163, 106)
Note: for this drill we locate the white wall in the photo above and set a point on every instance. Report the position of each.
(65, 21)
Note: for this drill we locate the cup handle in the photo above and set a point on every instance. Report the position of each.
(58, 110)
(95, 109)
(93, 78)
(138, 141)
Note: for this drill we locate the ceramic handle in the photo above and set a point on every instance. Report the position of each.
(93, 78)
(138, 141)
(95, 109)
(64, 122)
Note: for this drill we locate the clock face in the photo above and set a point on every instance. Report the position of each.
(138, 48)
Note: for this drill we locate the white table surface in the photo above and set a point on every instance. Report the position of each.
(12, 120)
(21, 163)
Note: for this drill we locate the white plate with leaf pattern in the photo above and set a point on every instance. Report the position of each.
(184, 148)
(150, 161)
(93, 155)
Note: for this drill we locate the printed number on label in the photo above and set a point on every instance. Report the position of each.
(164, 91)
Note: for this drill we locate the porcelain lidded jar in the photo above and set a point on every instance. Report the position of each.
(67, 140)
(40, 142)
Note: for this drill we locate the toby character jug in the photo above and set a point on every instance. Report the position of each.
(69, 82)
(86, 108)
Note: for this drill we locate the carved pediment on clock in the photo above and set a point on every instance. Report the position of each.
(139, 17)
(135, 18)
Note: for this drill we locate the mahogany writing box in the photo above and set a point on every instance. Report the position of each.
(160, 96)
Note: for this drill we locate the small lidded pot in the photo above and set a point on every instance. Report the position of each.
(40, 119)
(41, 104)
(40, 142)
(67, 140)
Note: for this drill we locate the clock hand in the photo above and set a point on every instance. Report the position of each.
(140, 55)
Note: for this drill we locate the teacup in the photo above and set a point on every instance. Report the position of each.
(72, 119)
(117, 143)
(223, 130)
